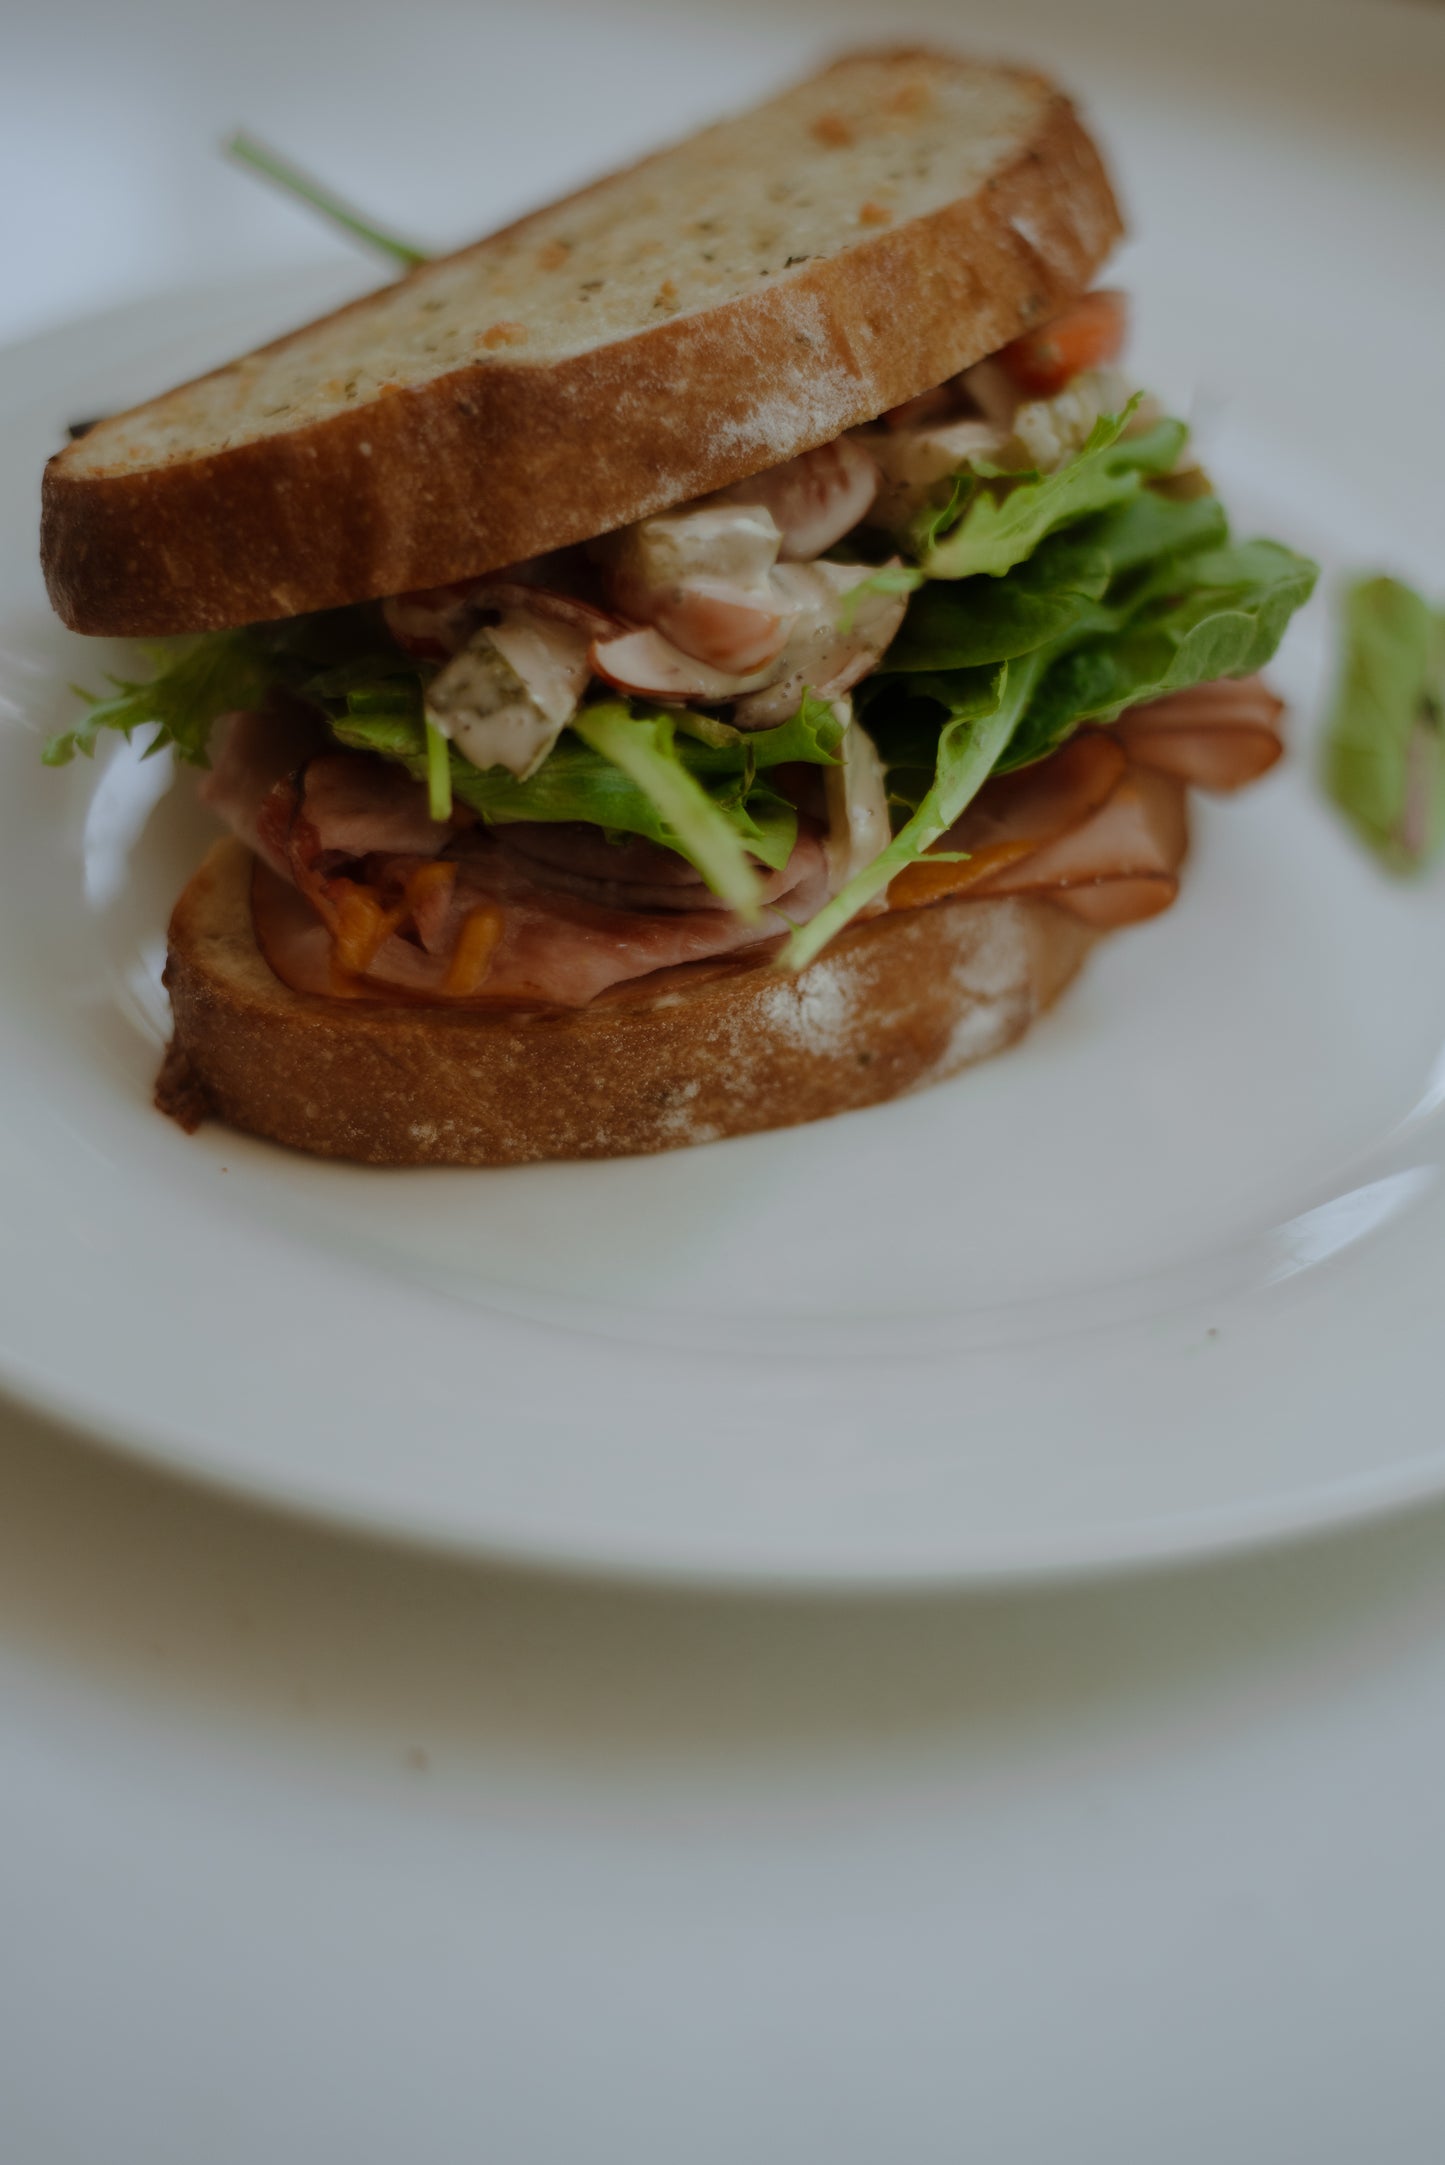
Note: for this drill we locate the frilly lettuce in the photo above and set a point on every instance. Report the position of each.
(323, 658)
(192, 687)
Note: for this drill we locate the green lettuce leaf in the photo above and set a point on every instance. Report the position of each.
(324, 657)
(644, 779)
(969, 622)
(996, 517)
(192, 687)
(1125, 629)
(972, 623)
(811, 737)
(985, 710)
(1216, 613)
(1151, 527)
(1385, 748)
(626, 780)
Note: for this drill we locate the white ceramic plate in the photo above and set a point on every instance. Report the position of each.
(1164, 1280)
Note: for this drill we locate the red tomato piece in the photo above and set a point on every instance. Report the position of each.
(1086, 335)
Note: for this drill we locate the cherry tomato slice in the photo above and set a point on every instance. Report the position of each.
(1086, 335)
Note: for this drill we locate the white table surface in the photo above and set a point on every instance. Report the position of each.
(315, 1851)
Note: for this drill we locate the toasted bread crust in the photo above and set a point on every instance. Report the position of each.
(499, 460)
(895, 1004)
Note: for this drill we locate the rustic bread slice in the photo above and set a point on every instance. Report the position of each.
(896, 1003)
(711, 312)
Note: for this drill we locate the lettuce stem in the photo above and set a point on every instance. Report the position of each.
(699, 830)
(282, 174)
(969, 748)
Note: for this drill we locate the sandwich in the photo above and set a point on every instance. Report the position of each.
(712, 655)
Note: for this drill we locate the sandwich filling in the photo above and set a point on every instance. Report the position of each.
(981, 646)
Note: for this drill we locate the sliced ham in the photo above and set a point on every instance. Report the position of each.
(359, 894)
(633, 874)
(1216, 736)
(1013, 818)
(1136, 841)
(1214, 759)
(590, 853)
(1084, 828)
(357, 805)
(1114, 902)
(250, 753)
(379, 900)
(554, 950)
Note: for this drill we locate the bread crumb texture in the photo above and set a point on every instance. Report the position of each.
(876, 141)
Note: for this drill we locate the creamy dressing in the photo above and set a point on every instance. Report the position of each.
(856, 796)
(507, 696)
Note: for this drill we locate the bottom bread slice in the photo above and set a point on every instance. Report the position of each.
(894, 1004)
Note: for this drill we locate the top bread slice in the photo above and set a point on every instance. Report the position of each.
(720, 307)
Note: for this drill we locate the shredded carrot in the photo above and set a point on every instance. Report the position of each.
(930, 880)
(363, 925)
(467, 970)
(427, 878)
(505, 334)
(875, 214)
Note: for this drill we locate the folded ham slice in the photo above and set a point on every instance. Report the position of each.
(358, 805)
(554, 949)
(1084, 828)
(250, 754)
(355, 803)
(1119, 865)
(1101, 826)
(1013, 818)
(631, 874)
(1217, 736)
